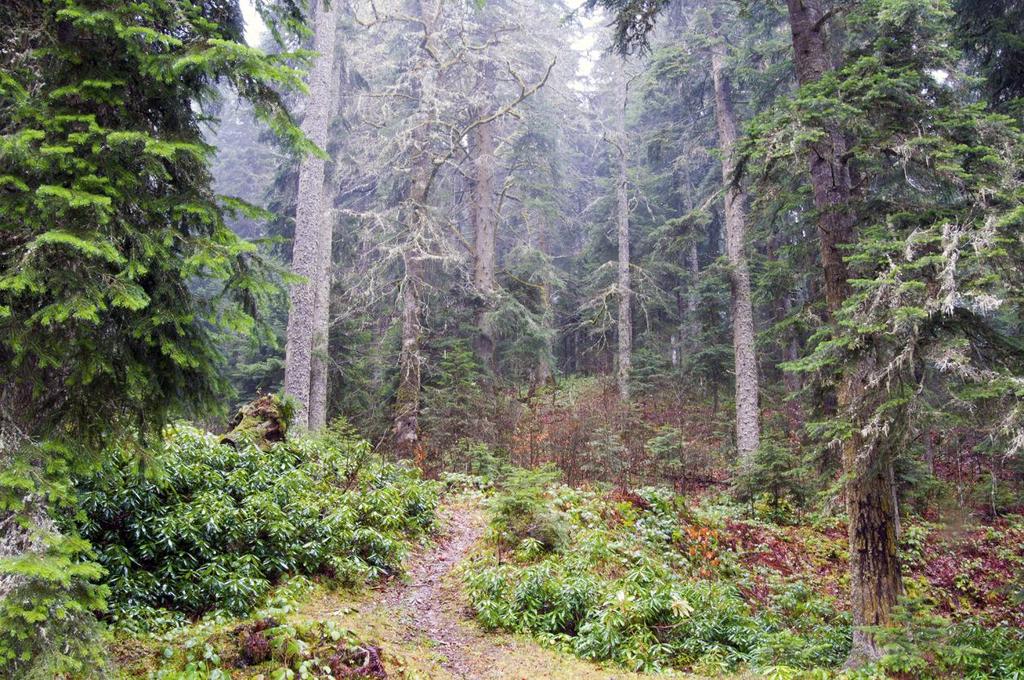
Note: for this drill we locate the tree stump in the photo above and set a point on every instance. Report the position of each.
(261, 422)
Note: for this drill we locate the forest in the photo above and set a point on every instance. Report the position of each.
(570, 339)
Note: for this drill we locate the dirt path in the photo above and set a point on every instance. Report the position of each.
(426, 628)
(430, 601)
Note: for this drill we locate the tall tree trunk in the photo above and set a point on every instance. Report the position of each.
(322, 303)
(484, 221)
(405, 430)
(542, 371)
(830, 176)
(748, 429)
(407, 400)
(625, 317)
(875, 581)
(688, 303)
(309, 220)
(321, 332)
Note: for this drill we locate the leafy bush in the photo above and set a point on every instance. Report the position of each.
(216, 525)
(643, 583)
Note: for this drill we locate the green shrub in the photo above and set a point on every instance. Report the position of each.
(216, 526)
(675, 457)
(803, 630)
(475, 458)
(647, 619)
(520, 516)
(654, 620)
(775, 481)
(641, 582)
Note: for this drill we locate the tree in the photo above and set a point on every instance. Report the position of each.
(118, 272)
(736, 234)
(311, 254)
(484, 221)
(683, 48)
(850, 123)
(624, 291)
(988, 32)
(903, 252)
(483, 214)
(423, 192)
(875, 583)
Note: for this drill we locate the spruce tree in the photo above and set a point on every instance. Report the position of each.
(118, 272)
(931, 262)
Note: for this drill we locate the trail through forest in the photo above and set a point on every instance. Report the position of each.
(431, 605)
(424, 624)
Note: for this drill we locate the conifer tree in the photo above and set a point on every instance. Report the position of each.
(118, 272)
(923, 277)
(624, 288)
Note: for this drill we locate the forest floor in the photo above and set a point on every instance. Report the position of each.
(424, 624)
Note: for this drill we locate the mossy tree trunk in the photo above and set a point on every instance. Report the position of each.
(484, 221)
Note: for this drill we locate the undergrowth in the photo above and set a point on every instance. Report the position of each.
(646, 580)
(212, 526)
(274, 643)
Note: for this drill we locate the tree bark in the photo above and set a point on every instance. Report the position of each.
(318, 382)
(542, 371)
(484, 221)
(407, 399)
(830, 176)
(309, 221)
(322, 303)
(405, 429)
(692, 263)
(748, 428)
(875, 580)
(876, 583)
(625, 315)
